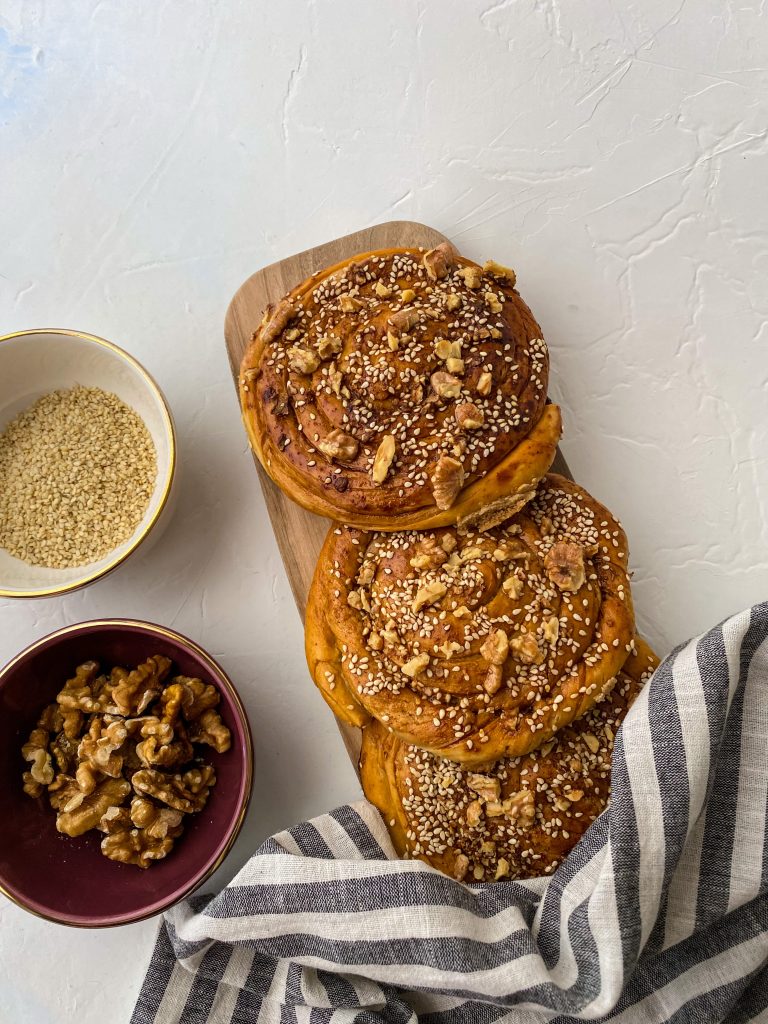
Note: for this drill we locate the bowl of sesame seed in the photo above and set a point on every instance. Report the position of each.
(87, 460)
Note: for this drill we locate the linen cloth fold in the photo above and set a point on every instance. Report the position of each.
(660, 914)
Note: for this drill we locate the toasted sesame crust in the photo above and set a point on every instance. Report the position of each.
(338, 367)
(462, 643)
(452, 817)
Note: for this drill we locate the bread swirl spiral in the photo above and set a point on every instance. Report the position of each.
(516, 818)
(402, 389)
(474, 645)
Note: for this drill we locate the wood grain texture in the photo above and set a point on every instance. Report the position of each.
(300, 534)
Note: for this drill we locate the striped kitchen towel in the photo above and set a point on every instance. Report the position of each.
(659, 914)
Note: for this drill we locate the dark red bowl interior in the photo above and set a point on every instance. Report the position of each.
(69, 880)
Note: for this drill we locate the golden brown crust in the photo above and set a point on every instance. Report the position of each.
(461, 642)
(517, 818)
(426, 354)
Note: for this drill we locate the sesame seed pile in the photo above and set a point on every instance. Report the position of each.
(381, 352)
(77, 471)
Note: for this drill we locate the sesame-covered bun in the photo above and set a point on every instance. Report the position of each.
(402, 389)
(517, 818)
(476, 645)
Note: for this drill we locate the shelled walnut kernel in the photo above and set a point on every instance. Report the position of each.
(116, 752)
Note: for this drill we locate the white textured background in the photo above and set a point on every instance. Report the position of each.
(152, 155)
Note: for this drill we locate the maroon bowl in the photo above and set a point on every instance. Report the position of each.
(69, 880)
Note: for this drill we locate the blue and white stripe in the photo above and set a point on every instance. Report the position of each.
(659, 915)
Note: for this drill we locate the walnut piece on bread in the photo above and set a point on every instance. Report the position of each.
(469, 416)
(340, 446)
(385, 455)
(447, 481)
(564, 563)
(277, 318)
(439, 261)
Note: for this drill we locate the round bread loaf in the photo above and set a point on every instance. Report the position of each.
(476, 645)
(402, 389)
(517, 818)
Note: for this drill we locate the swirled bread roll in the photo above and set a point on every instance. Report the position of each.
(475, 645)
(514, 819)
(402, 389)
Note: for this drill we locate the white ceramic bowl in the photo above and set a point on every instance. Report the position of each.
(33, 363)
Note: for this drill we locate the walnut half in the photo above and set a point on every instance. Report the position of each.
(189, 697)
(158, 822)
(77, 693)
(100, 746)
(88, 814)
(185, 792)
(460, 867)
(472, 276)
(40, 774)
(486, 787)
(136, 690)
(496, 647)
(303, 360)
(210, 730)
(519, 807)
(135, 847)
(428, 554)
(163, 745)
(403, 320)
(418, 664)
(328, 345)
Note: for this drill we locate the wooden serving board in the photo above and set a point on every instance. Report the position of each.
(300, 534)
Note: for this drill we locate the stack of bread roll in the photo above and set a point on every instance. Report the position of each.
(470, 610)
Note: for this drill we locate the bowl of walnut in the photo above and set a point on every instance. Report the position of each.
(126, 766)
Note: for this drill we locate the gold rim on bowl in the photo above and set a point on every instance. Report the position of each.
(66, 588)
(222, 677)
